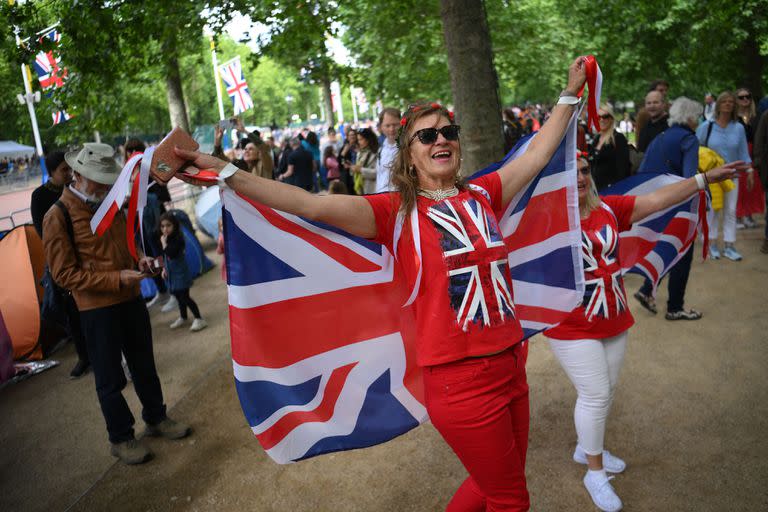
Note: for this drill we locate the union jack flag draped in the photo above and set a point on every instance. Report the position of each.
(237, 88)
(323, 350)
(653, 246)
(51, 73)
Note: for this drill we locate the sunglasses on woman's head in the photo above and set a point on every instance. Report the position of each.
(745, 96)
(429, 135)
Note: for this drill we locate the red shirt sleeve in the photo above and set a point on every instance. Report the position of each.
(622, 207)
(491, 183)
(385, 207)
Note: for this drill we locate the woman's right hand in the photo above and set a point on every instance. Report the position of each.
(577, 75)
(726, 171)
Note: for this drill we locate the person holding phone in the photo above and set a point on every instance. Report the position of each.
(257, 157)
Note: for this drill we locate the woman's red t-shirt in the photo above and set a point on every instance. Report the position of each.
(604, 311)
(464, 305)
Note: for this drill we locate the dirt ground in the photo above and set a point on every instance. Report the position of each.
(690, 418)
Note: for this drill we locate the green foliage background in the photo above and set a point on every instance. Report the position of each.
(118, 50)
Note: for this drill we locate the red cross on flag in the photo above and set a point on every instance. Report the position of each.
(237, 88)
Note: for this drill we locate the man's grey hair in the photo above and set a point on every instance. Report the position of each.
(684, 110)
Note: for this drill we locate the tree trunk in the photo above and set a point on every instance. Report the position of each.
(474, 82)
(176, 105)
(326, 85)
(753, 66)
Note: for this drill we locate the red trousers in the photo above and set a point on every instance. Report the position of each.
(480, 407)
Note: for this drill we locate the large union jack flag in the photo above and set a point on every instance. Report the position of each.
(542, 232)
(323, 349)
(653, 246)
(237, 88)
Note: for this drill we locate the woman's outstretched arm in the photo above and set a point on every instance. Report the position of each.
(665, 197)
(517, 173)
(350, 213)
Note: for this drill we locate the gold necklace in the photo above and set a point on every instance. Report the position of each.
(439, 194)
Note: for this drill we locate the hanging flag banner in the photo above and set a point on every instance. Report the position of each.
(237, 88)
(336, 101)
(51, 73)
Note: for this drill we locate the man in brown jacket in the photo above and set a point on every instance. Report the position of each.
(100, 273)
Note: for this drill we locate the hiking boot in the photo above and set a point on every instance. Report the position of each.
(611, 463)
(80, 369)
(690, 314)
(159, 298)
(131, 452)
(170, 305)
(731, 253)
(168, 429)
(198, 324)
(647, 302)
(601, 491)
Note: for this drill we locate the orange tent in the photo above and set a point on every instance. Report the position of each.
(21, 254)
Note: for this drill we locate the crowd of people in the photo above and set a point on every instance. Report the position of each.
(475, 382)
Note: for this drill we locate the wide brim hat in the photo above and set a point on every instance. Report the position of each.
(96, 162)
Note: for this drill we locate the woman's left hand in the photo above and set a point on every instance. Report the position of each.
(577, 75)
(750, 181)
(727, 171)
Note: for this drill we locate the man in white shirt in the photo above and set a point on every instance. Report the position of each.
(709, 106)
(389, 122)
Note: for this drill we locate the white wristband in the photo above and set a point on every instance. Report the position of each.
(568, 100)
(225, 173)
(701, 181)
(751, 169)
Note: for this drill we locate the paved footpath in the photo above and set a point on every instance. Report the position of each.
(690, 418)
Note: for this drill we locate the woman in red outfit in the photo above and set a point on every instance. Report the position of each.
(590, 343)
(474, 370)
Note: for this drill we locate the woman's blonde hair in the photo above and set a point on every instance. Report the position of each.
(592, 200)
(720, 99)
(404, 176)
(612, 129)
(752, 110)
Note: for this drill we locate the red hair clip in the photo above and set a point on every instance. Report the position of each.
(450, 115)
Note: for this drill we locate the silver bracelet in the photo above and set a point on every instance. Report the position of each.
(227, 172)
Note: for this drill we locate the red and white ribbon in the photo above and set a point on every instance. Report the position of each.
(115, 199)
(595, 84)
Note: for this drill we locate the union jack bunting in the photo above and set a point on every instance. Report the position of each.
(324, 351)
(51, 73)
(60, 117)
(542, 230)
(237, 88)
(653, 246)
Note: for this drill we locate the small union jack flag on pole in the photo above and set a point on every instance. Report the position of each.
(60, 117)
(237, 88)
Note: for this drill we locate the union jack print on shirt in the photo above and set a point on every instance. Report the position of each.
(653, 246)
(237, 88)
(479, 291)
(604, 294)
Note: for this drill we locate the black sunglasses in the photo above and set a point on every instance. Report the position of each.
(745, 97)
(605, 116)
(429, 135)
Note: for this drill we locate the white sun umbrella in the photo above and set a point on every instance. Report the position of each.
(208, 211)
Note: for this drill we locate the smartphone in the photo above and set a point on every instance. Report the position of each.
(227, 124)
(165, 163)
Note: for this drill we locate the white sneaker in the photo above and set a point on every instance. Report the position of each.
(170, 305)
(611, 463)
(158, 298)
(178, 323)
(198, 324)
(599, 486)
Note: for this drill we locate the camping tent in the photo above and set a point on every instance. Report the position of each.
(21, 252)
(11, 149)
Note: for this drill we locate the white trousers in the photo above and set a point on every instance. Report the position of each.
(593, 367)
(728, 212)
